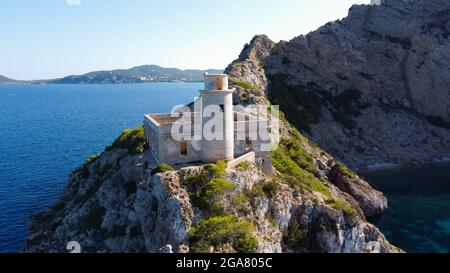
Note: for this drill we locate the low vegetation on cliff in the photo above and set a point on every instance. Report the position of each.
(246, 85)
(298, 170)
(223, 231)
(132, 140)
(162, 168)
(214, 208)
(209, 191)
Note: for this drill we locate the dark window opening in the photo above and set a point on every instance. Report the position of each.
(248, 144)
(183, 148)
(222, 107)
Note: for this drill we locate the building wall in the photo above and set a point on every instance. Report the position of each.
(170, 151)
(167, 150)
(219, 149)
(152, 136)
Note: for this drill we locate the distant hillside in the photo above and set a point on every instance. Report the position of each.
(5, 80)
(139, 74)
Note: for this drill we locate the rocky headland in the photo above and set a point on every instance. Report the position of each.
(371, 90)
(118, 202)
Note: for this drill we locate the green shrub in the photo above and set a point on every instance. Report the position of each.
(257, 190)
(265, 189)
(270, 189)
(294, 234)
(94, 219)
(295, 165)
(219, 231)
(246, 85)
(243, 165)
(217, 187)
(244, 100)
(84, 169)
(346, 171)
(287, 166)
(208, 187)
(218, 170)
(298, 154)
(212, 195)
(162, 168)
(196, 183)
(132, 140)
(240, 201)
(246, 244)
(343, 206)
(92, 158)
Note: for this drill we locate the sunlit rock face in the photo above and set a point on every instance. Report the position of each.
(117, 205)
(372, 88)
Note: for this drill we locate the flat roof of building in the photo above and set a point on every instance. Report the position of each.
(164, 120)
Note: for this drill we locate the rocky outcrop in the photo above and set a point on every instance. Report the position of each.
(115, 204)
(372, 89)
(372, 202)
(249, 68)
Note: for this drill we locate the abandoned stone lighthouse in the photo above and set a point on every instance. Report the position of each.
(239, 138)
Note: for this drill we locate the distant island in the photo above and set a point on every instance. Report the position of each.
(5, 80)
(138, 74)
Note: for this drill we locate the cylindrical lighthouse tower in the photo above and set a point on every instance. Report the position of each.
(218, 144)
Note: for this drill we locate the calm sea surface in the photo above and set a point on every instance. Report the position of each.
(48, 130)
(418, 219)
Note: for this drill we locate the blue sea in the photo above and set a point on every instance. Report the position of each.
(48, 130)
(418, 219)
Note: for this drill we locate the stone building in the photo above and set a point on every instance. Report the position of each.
(239, 140)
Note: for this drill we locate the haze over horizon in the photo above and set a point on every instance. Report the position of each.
(56, 38)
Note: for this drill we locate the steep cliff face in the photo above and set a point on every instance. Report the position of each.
(117, 202)
(372, 89)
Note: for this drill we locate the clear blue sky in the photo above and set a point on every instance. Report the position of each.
(50, 38)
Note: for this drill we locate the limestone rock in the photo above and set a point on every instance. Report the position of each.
(394, 59)
(372, 202)
(119, 207)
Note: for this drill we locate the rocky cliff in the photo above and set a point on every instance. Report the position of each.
(349, 86)
(118, 202)
(372, 89)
